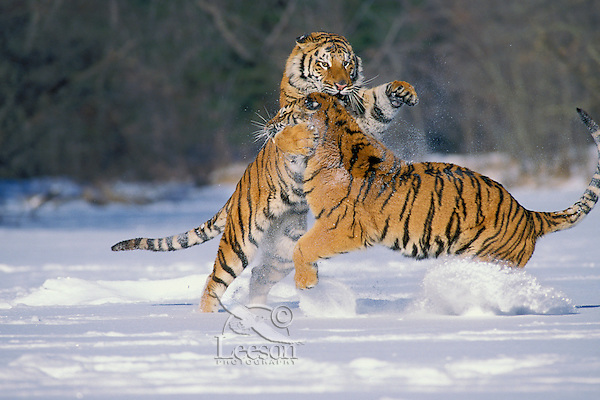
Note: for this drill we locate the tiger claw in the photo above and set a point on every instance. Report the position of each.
(400, 92)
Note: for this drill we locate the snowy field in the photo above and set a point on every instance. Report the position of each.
(79, 321)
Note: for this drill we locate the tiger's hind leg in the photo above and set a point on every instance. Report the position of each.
(277, 260)
(233, 256)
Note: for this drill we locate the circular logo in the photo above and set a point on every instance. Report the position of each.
(281, 316)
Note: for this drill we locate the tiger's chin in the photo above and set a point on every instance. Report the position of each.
(342, 97)
(339, 94)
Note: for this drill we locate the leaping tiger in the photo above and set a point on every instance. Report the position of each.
(362, 194)
(268, 202)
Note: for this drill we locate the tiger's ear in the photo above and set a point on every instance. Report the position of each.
(302, 39)
(306, 38)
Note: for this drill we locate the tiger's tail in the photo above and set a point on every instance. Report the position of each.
(568, 218)
(198, 235)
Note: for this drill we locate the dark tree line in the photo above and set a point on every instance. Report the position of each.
(155, 90)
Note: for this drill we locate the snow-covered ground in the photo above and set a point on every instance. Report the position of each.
(80, 321)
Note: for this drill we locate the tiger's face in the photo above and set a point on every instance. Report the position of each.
(324, 62)
(311, 109)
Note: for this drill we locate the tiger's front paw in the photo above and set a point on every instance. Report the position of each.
(306, 278)
(297, 139)
(400, 92)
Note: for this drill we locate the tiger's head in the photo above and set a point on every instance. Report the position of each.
(321, 62)
(305, 109)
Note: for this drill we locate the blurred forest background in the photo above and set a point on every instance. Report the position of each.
(156, 90)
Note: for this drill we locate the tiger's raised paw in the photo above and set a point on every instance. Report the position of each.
(400, 92)
(297, 139)
(306, 278)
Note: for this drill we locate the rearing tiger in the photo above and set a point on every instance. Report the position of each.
(268, 202)
(361, 194)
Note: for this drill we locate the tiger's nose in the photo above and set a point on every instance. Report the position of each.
(341, 85)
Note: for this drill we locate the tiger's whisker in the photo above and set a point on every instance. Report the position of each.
(367, 81)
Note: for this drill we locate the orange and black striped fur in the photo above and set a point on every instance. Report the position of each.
(268, 208)
(361, 194)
